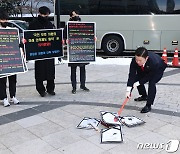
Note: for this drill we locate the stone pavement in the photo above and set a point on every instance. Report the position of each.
(48, 125)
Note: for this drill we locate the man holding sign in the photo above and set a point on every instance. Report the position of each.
(75, 17)
(44, 69)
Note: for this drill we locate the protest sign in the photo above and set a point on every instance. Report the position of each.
(43, 44)
(11, 59)
(81, 42)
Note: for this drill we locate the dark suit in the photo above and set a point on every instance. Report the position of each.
(152, 73)
(44, 69)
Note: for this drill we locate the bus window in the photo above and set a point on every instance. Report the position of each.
(135, 7)
(173, 6)
(164, 6)
(170, 6)
(125, 24)
(111, 7)
(79, 5)
(121, 7)
(154, 6)
(93, 6)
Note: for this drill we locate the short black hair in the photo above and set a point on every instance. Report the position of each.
(71, 13)
(44, 10)
(75, 18)
(141, 52)
(3, 14)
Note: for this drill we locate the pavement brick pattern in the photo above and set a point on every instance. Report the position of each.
(48, 125)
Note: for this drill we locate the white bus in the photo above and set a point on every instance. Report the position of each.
(124, 25)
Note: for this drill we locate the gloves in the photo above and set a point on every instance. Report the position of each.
(136, 84)
(128, 92)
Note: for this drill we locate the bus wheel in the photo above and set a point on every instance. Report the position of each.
(113, 45)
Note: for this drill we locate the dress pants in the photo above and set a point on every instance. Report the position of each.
(41, 88)
(151, 88)
(82, 76)
(12, 86)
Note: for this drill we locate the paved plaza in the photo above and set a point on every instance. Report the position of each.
(47, 125)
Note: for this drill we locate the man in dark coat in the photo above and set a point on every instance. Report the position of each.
(75, 17)
(44, 69)
(145, 67)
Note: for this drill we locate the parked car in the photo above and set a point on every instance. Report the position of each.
(21, 25)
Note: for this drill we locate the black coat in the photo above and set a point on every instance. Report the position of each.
(44, 69)
(153, 66)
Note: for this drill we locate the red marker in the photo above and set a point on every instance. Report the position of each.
(122, 107)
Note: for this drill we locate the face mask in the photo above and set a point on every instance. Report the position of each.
(75, 18)
(4, 24)
(44, 19)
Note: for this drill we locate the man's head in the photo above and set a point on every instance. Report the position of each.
(74, 16)
(141, 56)
(44, 11)
(3, 18)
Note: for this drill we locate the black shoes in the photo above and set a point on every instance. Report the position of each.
(82, 88)
(73, 91)
(43, 94)
(141, 98)
(85, 89)
(146, 109)
(51, 93)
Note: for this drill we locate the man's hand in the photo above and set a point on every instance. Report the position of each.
(24, 41)
(128, 94)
